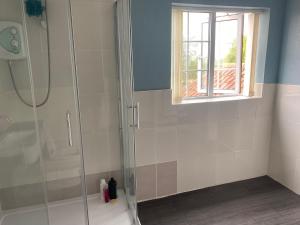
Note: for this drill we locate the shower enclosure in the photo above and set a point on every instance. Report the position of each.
(42, 170)
(129, 109)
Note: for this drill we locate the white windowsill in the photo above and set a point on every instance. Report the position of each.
(218, 99)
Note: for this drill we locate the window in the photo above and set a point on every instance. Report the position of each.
(213, 52)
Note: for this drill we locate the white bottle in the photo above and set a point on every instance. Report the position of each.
(103, 184)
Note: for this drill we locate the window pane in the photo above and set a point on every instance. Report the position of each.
(184, 83)
(184, 60)
(198, 56)
(195, 84)
(226, 54)
(185, 26)
(224, 81)
(202, 85)
(195, 54)
(198, 26)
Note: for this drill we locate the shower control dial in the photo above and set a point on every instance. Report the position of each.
(14, 43)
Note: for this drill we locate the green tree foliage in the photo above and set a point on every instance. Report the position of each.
(231, 56)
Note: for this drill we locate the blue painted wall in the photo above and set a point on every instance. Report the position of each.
(152, 39)
(290, 57)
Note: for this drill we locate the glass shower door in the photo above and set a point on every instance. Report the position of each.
(22, 179)
(41, 163)
(129, 109)
(52, 51)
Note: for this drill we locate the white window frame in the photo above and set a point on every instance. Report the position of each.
(211, 57)
(211, 52)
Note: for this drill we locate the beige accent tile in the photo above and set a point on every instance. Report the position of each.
(167, 178)
(33, 194)
(64, 189)
(22, 196)
(146, 182)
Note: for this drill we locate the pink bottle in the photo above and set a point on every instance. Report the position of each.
(106, 194)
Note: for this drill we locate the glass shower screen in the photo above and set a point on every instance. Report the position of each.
(129, 109)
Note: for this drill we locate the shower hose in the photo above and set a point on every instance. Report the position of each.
(10, 66)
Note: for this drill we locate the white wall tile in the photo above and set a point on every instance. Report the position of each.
(109, 63)
(90, 72)
(107, 22)
(262, 133)
(147, 108)
(284, 152)
(225, 167)
(96, 152)
(193, 140)
(87, 30)
(165, 114)
(11, 11)
(166, 144)
(227, 131)
(245, 134)
(61, 69)
(228, 110)
(216, 143)
(297, 177)
(192, 113)
(93, 23)
(195, 171)
(59, 28)
(94, 112)
(266, 104)
(287, 104)
(247, 109)
(114, 149)
(145, 147)
(245, 165)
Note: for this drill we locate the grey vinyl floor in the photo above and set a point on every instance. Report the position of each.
(259, 201)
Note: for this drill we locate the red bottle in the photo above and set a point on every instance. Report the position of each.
(106, 194)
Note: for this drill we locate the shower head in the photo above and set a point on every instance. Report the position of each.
(34, 8)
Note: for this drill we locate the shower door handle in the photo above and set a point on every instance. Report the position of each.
(136, 115)
(69, 127)
(137, 108)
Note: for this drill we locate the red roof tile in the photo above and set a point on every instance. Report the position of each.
(224, 79)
